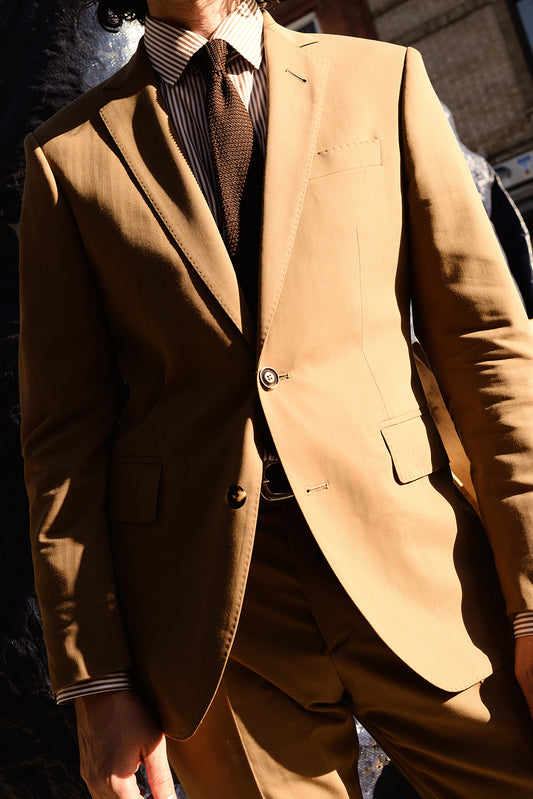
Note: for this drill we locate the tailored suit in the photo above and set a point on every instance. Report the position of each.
(142, 402)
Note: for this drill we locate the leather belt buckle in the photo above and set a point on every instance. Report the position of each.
(275, 486)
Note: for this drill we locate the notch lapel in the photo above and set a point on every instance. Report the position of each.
(145, 136)
(296, 89)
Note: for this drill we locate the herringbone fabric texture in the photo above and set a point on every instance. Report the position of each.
(238, 166)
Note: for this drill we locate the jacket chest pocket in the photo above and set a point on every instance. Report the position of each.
(343, 157)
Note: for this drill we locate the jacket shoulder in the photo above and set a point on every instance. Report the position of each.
(347, 50)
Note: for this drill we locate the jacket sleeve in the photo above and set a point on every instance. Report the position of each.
(473, 327)
(70, 401)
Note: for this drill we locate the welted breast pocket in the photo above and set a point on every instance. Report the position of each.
(344, 157)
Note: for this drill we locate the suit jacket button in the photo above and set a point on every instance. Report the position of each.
(236, 497)
(268, 378)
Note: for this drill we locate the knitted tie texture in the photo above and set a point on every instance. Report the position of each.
(231, 138)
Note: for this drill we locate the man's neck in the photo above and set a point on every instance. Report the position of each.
(199, 16)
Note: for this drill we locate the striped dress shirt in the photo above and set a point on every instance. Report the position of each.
(183, 87)
(183, 84)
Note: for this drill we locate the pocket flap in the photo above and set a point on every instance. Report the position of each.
(341, 157)
(133, 488)
(415, 446)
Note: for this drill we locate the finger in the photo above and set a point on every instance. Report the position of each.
(158, 772)
(114, 787)
(124, 787)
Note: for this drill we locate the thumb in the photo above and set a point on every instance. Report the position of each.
(158, 772)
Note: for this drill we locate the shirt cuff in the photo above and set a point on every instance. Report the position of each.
(523, 624)
(121, 680)
(116, 681)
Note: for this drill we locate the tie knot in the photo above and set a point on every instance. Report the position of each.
(217, 50)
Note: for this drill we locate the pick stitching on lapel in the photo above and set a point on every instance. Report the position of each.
(144, 134)
(142, 130)
(296, 80)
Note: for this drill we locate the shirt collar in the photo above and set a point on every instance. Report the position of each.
(170, 49)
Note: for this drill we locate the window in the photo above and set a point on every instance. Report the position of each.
(310, 24)
(525, 11)
(522, 11)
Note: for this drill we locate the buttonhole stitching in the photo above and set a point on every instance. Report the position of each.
(321, 487)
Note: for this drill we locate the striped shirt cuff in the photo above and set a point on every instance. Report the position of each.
(523, 624)
(121, 680)
(116, 681)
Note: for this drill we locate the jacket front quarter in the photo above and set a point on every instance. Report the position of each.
(141, 402)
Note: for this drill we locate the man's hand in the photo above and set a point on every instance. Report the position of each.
(524, 667)
(117, 734)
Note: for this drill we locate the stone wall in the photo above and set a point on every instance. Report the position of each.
(476, 63)
(47, 57)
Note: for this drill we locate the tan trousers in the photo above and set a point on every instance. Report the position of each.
(304, 661)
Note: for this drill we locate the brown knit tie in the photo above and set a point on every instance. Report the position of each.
(238, 166)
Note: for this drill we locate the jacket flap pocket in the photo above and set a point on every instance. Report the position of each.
(133, 489)
(415, 446)
(352, 155)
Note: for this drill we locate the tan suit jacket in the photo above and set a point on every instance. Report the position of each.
(139, 558)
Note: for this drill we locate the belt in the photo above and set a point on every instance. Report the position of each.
(275, 485)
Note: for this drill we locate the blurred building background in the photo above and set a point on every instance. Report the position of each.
(479, 55)
(348, 17)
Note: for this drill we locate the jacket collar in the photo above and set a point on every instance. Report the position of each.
(142, 131)
(170, 49)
